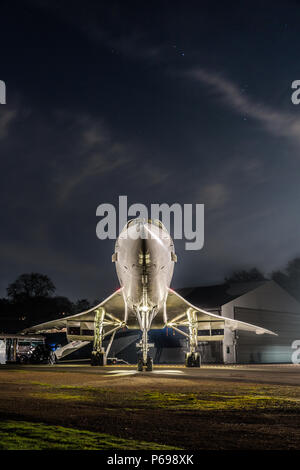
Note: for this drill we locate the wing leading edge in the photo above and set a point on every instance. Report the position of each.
(177, 308)
(81, 325)
(83, 322)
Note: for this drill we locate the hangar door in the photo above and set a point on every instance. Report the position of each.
(251, 348)
(211, 352)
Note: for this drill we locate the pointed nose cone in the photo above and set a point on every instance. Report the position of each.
(144, 236)
(136, 231)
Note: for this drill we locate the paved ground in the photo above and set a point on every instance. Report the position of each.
(215, 407)
(285, 374)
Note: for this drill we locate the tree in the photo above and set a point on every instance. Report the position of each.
(61, 306)
(289, 278)
(29, 286)
(244, 275)
(81, 305)
(293, 271)
(281, 278)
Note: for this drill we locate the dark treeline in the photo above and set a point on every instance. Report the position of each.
(31, 299)
(288, 278)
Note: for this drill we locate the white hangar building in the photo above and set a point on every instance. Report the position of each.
(264, 304)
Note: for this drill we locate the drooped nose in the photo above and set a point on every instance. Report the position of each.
(136, 231)
(143, 236)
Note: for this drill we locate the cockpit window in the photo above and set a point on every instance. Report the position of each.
(130, 222)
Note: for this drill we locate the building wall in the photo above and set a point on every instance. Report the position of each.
(211, 352)
(268, 306)
(170, 355)
(266, 348)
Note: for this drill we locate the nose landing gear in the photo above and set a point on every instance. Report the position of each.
(144, 360)
(148, 365)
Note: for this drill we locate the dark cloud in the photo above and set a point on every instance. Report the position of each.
(277, 122)
(171, 102)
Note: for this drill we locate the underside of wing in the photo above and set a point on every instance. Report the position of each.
(210, 325)
(81, 325)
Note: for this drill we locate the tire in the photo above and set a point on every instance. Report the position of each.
(98, 359)
(93, 359)
(189, 360)
(149, 365)
(192, 360)
(197, 360)
(140, 365)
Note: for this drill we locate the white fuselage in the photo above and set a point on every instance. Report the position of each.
(144, 263)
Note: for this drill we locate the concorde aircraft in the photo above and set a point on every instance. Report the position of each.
(144, 257)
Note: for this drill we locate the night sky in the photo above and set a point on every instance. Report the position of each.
(165, 101)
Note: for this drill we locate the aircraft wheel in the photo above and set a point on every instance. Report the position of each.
(192, 360)
(93, 359)
(140, 365)
(98, 359)
(189, 360)
(197, 360)
(149, 365)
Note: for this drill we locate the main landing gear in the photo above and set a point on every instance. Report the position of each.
(99, 354)
(192, 359)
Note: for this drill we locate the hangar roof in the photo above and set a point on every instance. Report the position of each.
(213, 297)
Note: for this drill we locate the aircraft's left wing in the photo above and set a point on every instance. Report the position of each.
(209, 325)
(81, 326)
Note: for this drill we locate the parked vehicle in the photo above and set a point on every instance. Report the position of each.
(40, 354)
